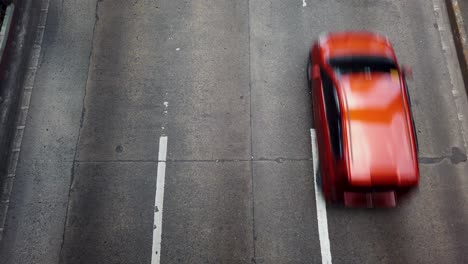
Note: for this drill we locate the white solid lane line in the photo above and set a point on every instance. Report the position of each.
(321, 206)
(158, 203)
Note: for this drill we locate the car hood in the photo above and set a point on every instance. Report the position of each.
(356, 43)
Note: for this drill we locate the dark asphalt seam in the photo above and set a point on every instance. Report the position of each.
(254, 236)
(438, 160)
(431, 160)
(277, 160)
(83, 111)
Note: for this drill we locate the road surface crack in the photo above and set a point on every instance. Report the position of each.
(277, 160)
(74, 163)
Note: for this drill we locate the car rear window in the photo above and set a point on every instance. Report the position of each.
(361, 64)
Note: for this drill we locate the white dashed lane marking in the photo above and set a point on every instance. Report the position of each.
(321, 206)
(159, 200)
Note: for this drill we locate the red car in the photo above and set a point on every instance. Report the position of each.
(368, 150)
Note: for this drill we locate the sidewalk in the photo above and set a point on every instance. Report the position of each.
(458, 15)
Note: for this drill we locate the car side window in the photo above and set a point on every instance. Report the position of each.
(332, 108)
(411, 114)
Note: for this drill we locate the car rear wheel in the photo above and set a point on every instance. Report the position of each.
(318, 178)
(415, 136)
(309, 87)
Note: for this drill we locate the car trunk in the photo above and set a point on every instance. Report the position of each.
(380, 144)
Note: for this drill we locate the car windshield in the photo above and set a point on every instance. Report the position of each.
(361, 64)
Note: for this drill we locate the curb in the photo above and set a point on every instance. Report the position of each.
(5, 30)
(4, 36)
(18, 51)
(459, 36)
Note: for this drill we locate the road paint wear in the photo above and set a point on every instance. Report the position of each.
(322, 221)
(159, 201)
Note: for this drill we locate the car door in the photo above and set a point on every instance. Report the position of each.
(321, 127)
(328, 128)
(415, 135)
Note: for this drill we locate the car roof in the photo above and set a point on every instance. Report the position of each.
(355, 43)
(380, 147)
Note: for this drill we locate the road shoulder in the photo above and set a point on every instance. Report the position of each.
(458, 16)
(18, 48)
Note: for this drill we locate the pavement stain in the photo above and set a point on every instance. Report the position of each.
(457, 156)
(119, 149)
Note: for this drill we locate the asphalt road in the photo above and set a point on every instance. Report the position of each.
(225, 82)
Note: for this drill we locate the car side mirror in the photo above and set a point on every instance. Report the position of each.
(407, 71)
